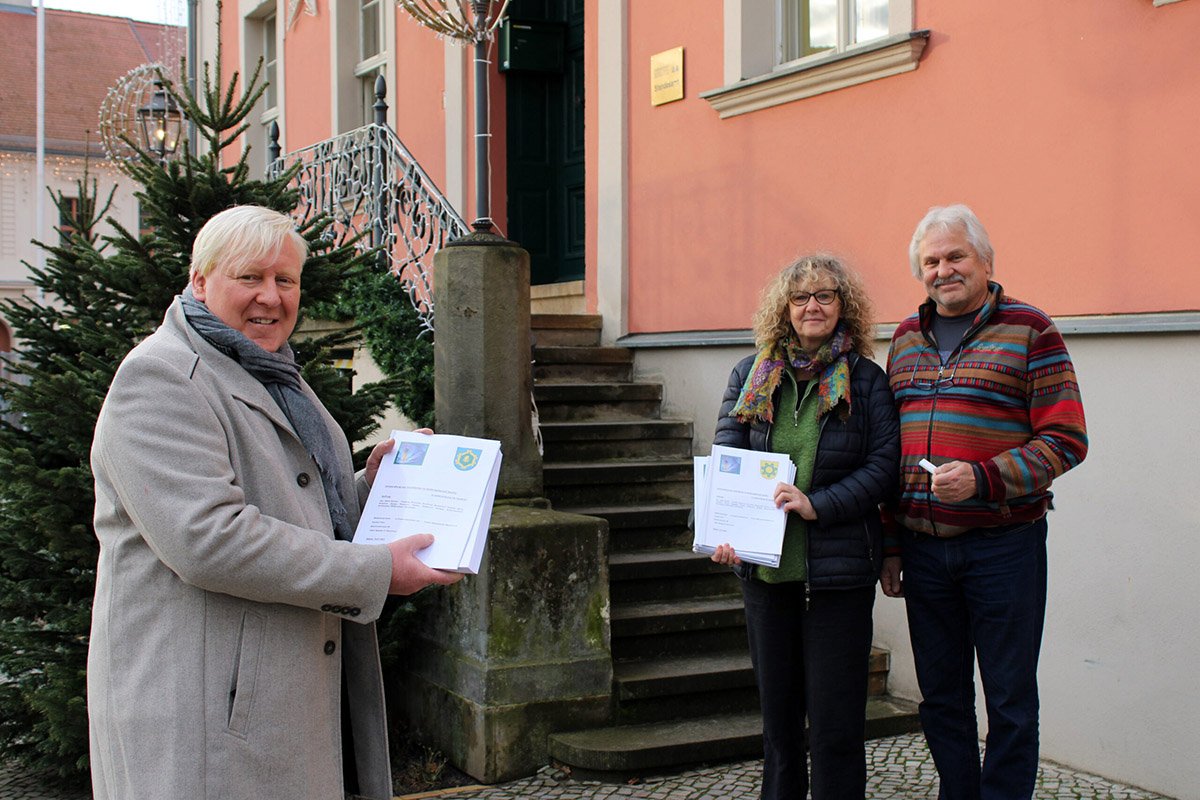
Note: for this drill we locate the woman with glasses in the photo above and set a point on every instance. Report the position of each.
(811, 392)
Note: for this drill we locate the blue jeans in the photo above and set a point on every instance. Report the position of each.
(982, 595)
(811, 662)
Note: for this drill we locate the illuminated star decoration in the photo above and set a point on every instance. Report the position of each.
(310, 8)
(455, 19)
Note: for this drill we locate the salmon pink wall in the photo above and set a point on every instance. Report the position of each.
(1070, 131)
(415, 92)
(230, 43)
(419, 92)
(307, 60)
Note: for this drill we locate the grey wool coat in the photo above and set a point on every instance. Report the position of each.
(225, 610)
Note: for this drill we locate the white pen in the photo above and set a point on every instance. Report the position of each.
(927, 465)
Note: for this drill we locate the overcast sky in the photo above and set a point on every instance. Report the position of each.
(173, 11)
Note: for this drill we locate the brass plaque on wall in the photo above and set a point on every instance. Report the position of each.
(666, 76)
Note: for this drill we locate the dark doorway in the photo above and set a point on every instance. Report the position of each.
(545, 140)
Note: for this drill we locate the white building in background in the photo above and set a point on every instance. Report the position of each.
(85, 55)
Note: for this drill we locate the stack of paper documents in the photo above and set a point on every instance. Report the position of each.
(735, 503)
(443, 485)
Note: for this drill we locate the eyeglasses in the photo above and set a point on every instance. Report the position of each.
(824, 297)
(941, 381)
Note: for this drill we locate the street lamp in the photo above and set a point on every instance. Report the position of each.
(161, 122)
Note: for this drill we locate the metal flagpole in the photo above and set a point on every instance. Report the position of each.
(40, 205)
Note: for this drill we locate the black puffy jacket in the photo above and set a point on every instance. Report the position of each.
(855, 470)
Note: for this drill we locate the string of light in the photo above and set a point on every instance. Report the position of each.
(62, 166)
(454, 19)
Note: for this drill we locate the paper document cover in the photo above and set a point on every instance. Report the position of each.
(440, 484)
(734, 503)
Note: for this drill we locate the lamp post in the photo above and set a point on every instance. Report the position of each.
(470, 21)
(161, 123)
(483, 178)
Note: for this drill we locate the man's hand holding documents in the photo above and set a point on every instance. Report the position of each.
(440, 485)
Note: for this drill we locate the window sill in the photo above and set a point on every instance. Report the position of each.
(369, 65)
(868, 62)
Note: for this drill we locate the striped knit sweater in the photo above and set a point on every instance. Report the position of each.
(1006, 401)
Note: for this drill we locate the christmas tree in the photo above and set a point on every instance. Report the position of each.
(103, 294)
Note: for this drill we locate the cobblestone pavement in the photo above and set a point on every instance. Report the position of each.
(898, 768)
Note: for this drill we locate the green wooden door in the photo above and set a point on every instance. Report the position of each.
(545, 148)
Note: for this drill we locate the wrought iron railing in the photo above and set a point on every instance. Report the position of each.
(369, 185)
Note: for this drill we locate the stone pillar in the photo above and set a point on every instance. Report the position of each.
(521, 650)
(481, 353)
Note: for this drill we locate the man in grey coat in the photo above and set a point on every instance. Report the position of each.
(232, 613)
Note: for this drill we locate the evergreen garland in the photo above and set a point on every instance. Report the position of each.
(378, 303)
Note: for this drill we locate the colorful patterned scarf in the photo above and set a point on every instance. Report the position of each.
(830, 363)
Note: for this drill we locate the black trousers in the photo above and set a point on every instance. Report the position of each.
(811, 662)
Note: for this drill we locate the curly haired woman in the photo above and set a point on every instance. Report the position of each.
(811, 392)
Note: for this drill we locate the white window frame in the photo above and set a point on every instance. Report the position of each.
(844, 36)
(362, 7)
(253, 41)
(366, 92)
(269, 38)
(756, 80)
(369, 66)
(351, 70)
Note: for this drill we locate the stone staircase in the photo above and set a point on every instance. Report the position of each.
(683, 686)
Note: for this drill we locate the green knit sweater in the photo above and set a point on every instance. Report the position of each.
(795, 433)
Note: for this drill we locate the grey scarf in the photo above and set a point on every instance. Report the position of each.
(280, 376)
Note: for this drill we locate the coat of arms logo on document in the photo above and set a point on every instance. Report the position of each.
(466, 458)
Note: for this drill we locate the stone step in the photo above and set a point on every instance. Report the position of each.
(713, 639)
(655, 564)
(675, 686)
(735, 700)
(660, 575)
(708, 672)
(576, 483)
(891, 716)
(677, 620)
(877, 672)
(623, 752)
(583, 355)
(657, 619)
(688, 674)
(566, 330)
(606, 440)
(559, 364)
(646, 526)
(561, 402)
(647, 516)
(571, 373)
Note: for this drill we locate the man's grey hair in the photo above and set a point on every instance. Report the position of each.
(243, 235)
(945, 218)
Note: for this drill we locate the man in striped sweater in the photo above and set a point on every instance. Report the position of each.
(990, 415)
